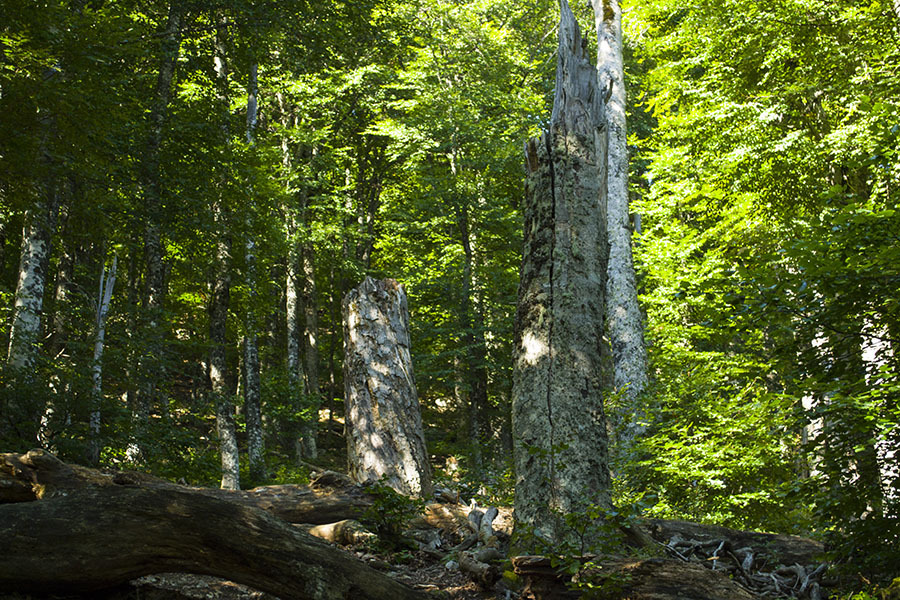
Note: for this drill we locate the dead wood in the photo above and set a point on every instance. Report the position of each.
(768, 548)
(38, 474)
(620, 578)
(99, 537)
(345, 533)
(480, 572)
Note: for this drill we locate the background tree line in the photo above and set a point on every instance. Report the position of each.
(229, 170)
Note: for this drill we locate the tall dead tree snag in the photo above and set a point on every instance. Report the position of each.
(384, 425)
(624, 321)
(558, 380)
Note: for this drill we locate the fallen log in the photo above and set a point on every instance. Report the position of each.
(772, 548)
(344, 532)
(621, 578)
(97, 538)
(38, 475)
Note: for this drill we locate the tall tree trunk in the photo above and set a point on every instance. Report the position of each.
(65, 272)
(104, 296)
(877, 355)
(310, 349)
(384, 425)
(301, 315)
(22, 413)
(152, 361)
(475, 350)
(252, 394)
(624, 321)
(558, 378)
(221, 293)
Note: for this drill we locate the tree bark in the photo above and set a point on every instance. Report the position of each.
(475, 347)
(384, 425)
(301, 302)
(309, 430)
(38, 475)
(21, 414)
(558, 380)
(252, 393)
(104, 296)
(152, 361)
(117, 534)
(624, 321)
(221, 292)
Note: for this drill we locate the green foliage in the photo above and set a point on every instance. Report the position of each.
(769, 267)
(389, 513)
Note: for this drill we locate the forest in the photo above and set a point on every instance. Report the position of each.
(197, 196)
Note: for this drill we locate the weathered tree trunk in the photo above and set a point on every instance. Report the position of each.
(624, 321)
(104, 296)
(384, 425)
(124, 533)
(252, 393)
(152, 357)
(221, 293)
(558, 380)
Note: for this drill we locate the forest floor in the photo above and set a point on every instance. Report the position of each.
(420, 571)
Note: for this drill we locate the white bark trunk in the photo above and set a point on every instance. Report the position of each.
(877, 354)
(221, 295)
(104, 296)
(624, 321)
(252, 393)
(21, 415)
(29, 300)
(559, 426)
(384, 425)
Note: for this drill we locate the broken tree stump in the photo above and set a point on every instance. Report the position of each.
(98, 538)
(384, 425)
(559, 353)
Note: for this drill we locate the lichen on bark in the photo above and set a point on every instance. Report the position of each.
(384, 425)
(559, 382)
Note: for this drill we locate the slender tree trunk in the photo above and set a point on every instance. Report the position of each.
(152, 361)
(559, 425)
(292, 316)
(65, 272)
(624, 321)
(310, 350)
(302, 350)
(221, 293)
(23, 413)
(384, 424)
(877, 354)
(104, 296)
(252, 394)
(475, 350)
